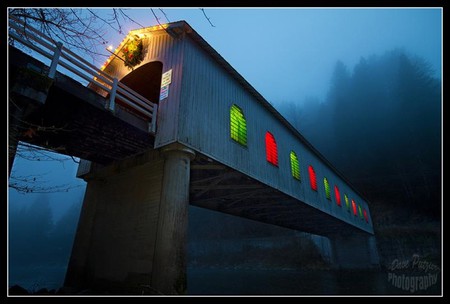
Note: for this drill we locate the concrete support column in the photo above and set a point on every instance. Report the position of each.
(354, 251)
(131, 237)
(169, 264)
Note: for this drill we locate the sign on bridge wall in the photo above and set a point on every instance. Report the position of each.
(165, 82)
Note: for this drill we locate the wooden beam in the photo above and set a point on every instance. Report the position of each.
(226, 187)
(208, 167)
(211, 178)
(221, 178)
(223, 197)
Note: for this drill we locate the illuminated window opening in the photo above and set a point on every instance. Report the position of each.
(295, 166)
(238, 125)
(327, 188)
(337, 195)
(347, 202)
(271, 149)
(360, 211)
(312, 178)
(355, 211)
(366, 216)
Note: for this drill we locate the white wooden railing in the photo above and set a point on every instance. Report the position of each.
(60, 55)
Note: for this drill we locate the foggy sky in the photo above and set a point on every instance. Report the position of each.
(287, 54)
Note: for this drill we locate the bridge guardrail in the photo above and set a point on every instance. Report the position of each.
(60, 55)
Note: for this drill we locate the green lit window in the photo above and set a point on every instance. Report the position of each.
(238, 125)
(347, 202)
(327, 188)
(295, 166)
(360, 211)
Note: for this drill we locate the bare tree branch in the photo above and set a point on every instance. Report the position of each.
(125, 15)
(156, 17)
(36, 184)
(157, 20)
(116, 19)
(164, 15)
(107, 22)
(207, 18)
(80, 29)
(20, 128)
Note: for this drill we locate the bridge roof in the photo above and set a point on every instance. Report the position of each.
(176, 29)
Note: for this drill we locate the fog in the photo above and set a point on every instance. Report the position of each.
(362, 85)
(383, 115)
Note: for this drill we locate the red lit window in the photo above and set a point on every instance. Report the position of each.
(338, 195)
(271, 149)
(366, 216)
(355, 210)
(312, 178)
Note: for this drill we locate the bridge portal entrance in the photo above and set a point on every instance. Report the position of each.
(146, 80)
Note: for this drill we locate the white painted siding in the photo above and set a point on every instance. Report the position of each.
(197, 114)
(160, 47)
(208, 92)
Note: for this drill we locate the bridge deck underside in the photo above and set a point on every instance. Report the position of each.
(217, 187)
(71, 118)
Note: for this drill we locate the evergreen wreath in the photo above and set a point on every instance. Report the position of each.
(132, 53)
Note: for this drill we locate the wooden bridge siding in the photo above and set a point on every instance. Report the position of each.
(207, 95)
(168, 50)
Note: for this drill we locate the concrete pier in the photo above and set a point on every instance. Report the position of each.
(169, 265)
(131, 236)
(354, 251)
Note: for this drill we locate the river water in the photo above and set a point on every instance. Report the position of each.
(232, 281)
(222, 281)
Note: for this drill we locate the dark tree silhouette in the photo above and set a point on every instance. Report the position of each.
(29, 233)
(381, 126)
